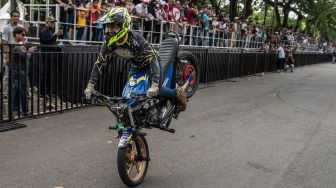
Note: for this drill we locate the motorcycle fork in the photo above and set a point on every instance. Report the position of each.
(139, 156)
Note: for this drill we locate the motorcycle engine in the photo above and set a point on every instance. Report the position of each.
(153, 116)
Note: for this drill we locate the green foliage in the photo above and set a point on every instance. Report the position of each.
(3, 2)
(317, 17)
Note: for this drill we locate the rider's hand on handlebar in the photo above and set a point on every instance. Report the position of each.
(153, 91)
(89, 91)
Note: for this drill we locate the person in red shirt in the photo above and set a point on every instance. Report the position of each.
(168, 8)
(177, 11)
(191, 14)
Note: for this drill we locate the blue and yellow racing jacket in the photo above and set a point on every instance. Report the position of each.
(135, 49)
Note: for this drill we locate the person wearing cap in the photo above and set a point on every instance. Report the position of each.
(48, 37)
(234, 30)
(47, 34)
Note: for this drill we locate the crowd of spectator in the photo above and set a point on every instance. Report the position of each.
(201, 26)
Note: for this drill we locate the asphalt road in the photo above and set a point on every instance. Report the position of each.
(276, 130)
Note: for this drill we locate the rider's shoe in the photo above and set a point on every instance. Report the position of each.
(181, 98)
(125, 138)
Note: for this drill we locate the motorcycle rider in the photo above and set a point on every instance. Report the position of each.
(120, 41)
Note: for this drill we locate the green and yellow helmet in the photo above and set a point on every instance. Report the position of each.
(117, 16)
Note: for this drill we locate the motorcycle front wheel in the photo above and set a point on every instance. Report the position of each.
(132, 171)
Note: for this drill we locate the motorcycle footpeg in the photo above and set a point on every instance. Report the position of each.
(170, 130)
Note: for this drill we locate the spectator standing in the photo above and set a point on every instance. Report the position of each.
(7, 38)
(67, 17)
(248, 38)
(48, 66)
(120, 3)
(19, 69)
(205, 26)
(234, 30)
(290, 38)
(82, 15)
(275, 38)
(7, 35)
(191, 15)
(168, 8)
(281, 57)
(94, 11)
(130, 7)
(177, 12)
(214, 34)
(222, 32)
(160, 17)
(110, 5)
(143, 13)
(100, 27)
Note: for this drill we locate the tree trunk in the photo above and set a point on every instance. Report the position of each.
(233, 9)
(308, 25)
(247, 8)
(286, 11)
(277, 14)
(286, 15)
(13, 5)
(215, 5)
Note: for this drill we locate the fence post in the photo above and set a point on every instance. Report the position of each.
(263, 69)
(241, 62)
(75, 24)
(191, 31)
(206, 65)
(10, 112)
(1, 80)
(161, 33)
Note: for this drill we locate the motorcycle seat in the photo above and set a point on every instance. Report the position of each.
(167, 53)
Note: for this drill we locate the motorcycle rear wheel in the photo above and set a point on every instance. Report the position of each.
(183, 70)
(131, 171)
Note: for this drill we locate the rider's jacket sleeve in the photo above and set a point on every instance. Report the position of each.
(151, 57)
(100, 63)
(148, 56)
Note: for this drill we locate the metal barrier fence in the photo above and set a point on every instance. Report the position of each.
(54, 78)
(152, 30)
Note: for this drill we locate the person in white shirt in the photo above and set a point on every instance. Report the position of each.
(281, 57)
(142, 12)
(7, 38)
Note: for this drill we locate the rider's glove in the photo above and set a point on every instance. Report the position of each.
(153, 91)
(89, 90)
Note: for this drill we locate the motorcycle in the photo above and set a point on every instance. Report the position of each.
(289, 63)
(135, 111)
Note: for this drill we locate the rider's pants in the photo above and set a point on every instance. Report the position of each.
(164, 92)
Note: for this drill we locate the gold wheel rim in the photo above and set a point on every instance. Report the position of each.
(135, 169)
